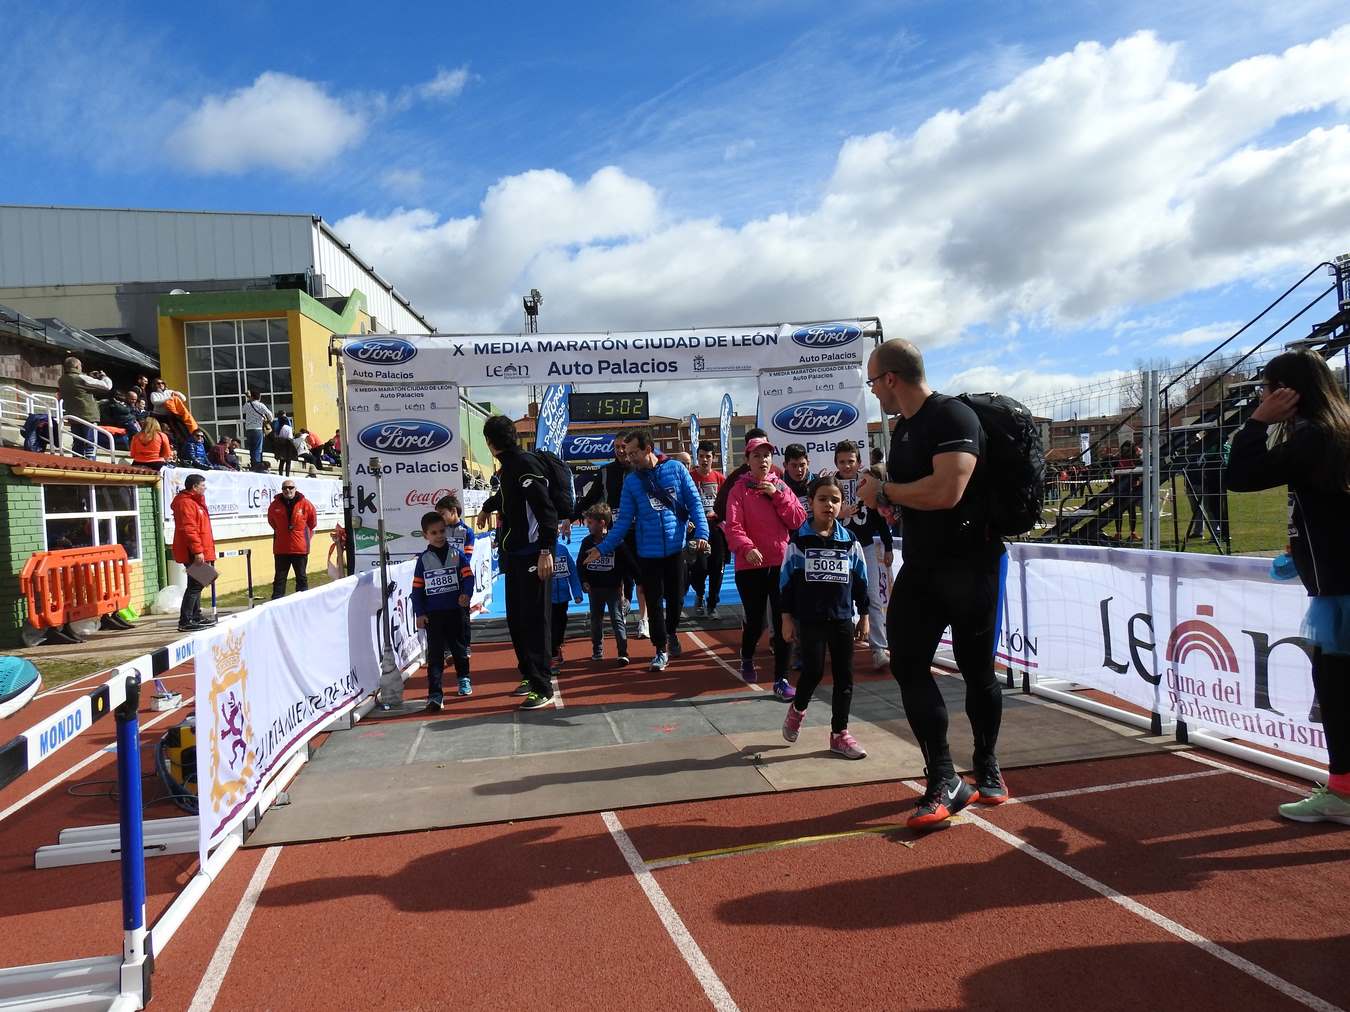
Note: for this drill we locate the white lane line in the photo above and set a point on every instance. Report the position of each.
(63, 690)
(557, 694)
(1253, 970)
(1074, 792)
(62, 778)
(1217, 764)
(214, 977)
(707, 649)
(693, 956)
(417, 743)
(515, 732)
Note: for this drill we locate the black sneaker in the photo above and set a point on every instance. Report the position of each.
(534, 701)
(523, 689)
(989, 786)
(943, 799)
(673, 648)
(432, 707)
(711, 612)
(205, 621)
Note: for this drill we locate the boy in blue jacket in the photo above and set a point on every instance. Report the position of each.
(457, 534)
(824, 578)
(442, 587)
(565, 579)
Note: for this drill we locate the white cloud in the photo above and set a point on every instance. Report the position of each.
(278, 121)
(737, 149)
(404, 182)
(447, 84)
(1092, 183)
(1206, 336)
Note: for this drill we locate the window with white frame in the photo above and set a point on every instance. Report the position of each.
(81, 516)
(226, 359)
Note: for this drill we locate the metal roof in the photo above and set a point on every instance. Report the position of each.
(56, 333)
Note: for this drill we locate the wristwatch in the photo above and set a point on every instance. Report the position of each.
(882, 498)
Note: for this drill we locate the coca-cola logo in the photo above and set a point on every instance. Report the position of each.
(419, 498)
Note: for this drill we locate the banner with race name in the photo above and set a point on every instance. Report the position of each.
(818, 408)
(413, 428)
(513, 359)
(1210, 640)
(247, 494)
(270, 679)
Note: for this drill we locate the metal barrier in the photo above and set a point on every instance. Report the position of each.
(233, 553)
(77, 439)
(75, 583)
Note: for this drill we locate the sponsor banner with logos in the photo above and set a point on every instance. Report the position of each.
(270, 679)
(551, 425)
(724, 434)
(248, 494)
(413, 428)
(513, 359)
(818, 408)
(1209, 640)
(588, 446)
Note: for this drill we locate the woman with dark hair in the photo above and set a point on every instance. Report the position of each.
(1311, 455)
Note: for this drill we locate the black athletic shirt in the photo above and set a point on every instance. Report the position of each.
(935, 537)
(1319, 536)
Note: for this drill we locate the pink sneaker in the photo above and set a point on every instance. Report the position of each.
(844, 744)
(792, 723)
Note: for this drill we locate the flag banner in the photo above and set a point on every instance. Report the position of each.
(693, 437)
(272, 678)
(247, 494)
(724, 433)
(551, 426)
(513, 359)
(588, 446)
(818, 408)
(1210, 640)
(413, 428)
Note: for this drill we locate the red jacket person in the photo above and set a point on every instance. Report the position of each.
(193, 542)
(292, 518)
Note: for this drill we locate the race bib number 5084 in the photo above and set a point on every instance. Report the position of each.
(826, 565)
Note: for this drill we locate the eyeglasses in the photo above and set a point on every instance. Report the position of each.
(873, 379)
(288, 488)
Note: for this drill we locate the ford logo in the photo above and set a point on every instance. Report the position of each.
(826, 335)
(381, 351)
(811, 417)
(404, 436)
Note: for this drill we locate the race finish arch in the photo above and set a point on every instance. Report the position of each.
(399, 396)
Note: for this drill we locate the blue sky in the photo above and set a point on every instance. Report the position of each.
(1039, 195)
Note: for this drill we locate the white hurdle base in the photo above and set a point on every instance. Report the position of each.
(79, 985)
(92, 844)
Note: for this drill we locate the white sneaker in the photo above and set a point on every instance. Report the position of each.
(881, 658)
(642, 631)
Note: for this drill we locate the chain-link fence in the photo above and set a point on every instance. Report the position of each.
(1139, 458)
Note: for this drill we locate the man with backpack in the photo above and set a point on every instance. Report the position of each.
(659, 499)
(940, 478)
(528, 499)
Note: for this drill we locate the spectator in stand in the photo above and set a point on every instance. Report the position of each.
(193, 542)
(194, 451)
(331, 452)
(711, 566)
(77, 389)
(219, 454)
(150, 448)
(257, 417)
(137, 405)
(292, 518)
(116, 413)
(658, 500)
(284, 443)
(142, 388)
(170, 407)
(1311, 455)
(307, 449)
(762, 514)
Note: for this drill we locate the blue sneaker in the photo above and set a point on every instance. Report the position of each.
(465, 687)
(748, 672)
(783, 690)
(659, 662)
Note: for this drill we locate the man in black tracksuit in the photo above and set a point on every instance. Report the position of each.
(951, 576)
(525, 540)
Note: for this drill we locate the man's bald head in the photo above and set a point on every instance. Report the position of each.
(902, 358)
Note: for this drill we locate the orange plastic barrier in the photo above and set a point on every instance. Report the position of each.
(75, 583)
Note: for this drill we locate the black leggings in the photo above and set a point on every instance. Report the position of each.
(927, 599)
(714, 563)
(759, 587)
(814, 637)
(1331, 681)
(558, 632)
(662, 579)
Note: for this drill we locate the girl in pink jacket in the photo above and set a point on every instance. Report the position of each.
(762, 513)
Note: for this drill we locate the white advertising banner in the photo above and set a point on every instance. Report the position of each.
(818, 408)
(272, 678)
(247, 494)
(514, 359)
(1209, 640)
(414, 430)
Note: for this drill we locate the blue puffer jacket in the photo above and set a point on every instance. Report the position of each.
(659, 531)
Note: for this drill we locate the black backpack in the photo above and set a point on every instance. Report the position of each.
(1014, 478)
(560, 487)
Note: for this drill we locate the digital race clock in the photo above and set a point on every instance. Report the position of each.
(617, 407)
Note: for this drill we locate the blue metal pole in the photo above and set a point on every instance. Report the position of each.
(130, 809)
